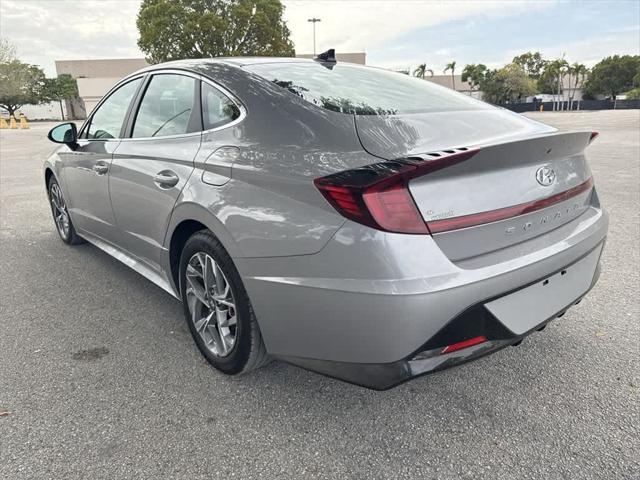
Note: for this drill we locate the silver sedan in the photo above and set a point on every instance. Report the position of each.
(353, 221)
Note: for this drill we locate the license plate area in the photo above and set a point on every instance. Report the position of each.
(527, 308)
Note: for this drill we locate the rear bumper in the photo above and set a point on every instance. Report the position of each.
(371, 307)
(476, 321)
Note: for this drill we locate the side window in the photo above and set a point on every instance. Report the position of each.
(106, 122)
(217, 108)
(167, 107)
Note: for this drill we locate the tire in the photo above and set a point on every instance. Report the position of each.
(61, 218)
(203, 254)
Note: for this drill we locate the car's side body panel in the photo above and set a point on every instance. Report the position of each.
(87, 190)
(269, 206)
(141, 205)
(158, 277)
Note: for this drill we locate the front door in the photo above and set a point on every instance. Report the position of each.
(150, 169)
(85, 169)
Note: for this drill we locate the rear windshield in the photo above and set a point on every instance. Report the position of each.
(363, 90)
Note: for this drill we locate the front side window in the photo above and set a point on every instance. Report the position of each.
(363, 90)
(167, 107)
(217, 108)
(106, 122)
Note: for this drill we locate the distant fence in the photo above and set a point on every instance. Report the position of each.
(582, 105)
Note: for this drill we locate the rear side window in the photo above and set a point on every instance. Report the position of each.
(167, 107)
(217, 108)
(106, 122)
(363, 90)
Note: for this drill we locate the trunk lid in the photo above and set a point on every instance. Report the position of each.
(526, 179)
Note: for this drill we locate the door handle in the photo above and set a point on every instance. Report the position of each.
(166, 178)
(101, 168)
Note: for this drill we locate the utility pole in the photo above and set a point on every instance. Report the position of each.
(314, 21)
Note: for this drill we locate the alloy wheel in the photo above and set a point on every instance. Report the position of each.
(211, 304)
(59, 208)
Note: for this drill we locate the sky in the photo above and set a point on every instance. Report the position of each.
(394, 34)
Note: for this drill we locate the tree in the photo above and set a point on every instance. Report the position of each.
(474, 74)
(578, 72)
(532, 63)
(551, 79)
(635, 93)
(64, 87)
(177, 29)
(7, 50)
(451, 66)
(20, 84)
(509, 84)
(613, 75)
(517, 83)
(421, 70)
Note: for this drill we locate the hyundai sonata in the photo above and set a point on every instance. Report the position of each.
(350, 220)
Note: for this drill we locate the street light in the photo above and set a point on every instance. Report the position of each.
(314, 21)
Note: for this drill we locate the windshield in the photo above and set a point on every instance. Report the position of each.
(363, 90)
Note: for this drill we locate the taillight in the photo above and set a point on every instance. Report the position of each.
(593, 136)
(392, 207)
(378, 195)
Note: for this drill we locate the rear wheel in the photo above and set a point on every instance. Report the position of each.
(217, 307)
(61, 216)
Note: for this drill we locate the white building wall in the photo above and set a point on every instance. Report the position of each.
(45, 111)
(91, 90)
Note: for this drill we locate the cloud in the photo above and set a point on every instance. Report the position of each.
(45, 31)
(389, 31)
(350, 26)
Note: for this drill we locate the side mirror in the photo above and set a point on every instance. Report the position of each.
(66, 133)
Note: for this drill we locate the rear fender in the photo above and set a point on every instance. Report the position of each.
(193, 211)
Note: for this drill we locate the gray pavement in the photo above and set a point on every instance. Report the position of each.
(102, 380)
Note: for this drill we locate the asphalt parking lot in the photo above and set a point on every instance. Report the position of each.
(99, 377)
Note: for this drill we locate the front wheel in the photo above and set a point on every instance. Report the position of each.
(217, 307)
(61, 217)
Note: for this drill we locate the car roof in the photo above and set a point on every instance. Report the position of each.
(234, 61)
(241, 61)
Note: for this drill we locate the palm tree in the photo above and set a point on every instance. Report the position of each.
(579, 71)
(451, 66)
(557, 69)
(421, 70)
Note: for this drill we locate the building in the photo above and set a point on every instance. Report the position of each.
(96, 77)
(569, 91)
(447, 81)
(460, 86)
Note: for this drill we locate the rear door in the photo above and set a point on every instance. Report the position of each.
(86, 168)
(152, 166)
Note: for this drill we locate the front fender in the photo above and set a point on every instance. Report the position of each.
(53, 163)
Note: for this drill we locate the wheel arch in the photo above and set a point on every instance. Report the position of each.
(187, 219)
(48, 173)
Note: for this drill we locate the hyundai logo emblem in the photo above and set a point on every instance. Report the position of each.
(545, 176)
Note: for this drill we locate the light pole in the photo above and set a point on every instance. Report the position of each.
(314, 21)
